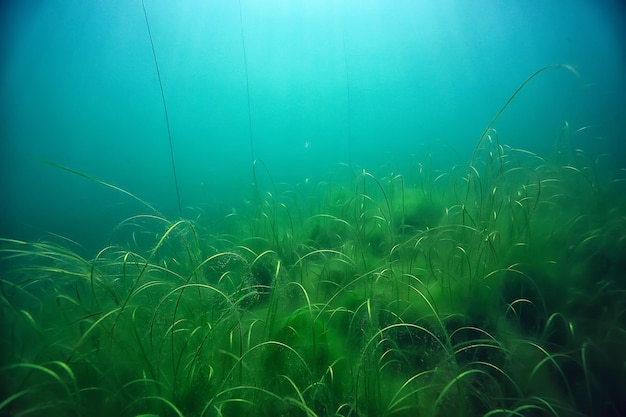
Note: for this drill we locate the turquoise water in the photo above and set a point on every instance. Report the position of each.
(370, 83)
(361, 232)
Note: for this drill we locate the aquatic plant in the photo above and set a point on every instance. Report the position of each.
(167, 118)
(366, 318)
(492, 289)
(245, 66)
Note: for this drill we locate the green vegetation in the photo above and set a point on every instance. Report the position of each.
(494, 289)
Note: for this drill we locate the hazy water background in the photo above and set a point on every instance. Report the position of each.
(378, 84)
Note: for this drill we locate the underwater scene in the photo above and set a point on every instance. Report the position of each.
(312, 208)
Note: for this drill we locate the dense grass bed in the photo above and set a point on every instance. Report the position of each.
(492, 289)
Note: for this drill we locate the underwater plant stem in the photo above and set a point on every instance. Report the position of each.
(345, 62)
(245, 64)
(512, 97)
(167, 119)
(106, 184)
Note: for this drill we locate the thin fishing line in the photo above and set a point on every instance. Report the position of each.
(245, 63)
(167, 119)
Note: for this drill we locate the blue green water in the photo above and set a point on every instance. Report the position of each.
(369, 83)
(366, 82)
(312, 208)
